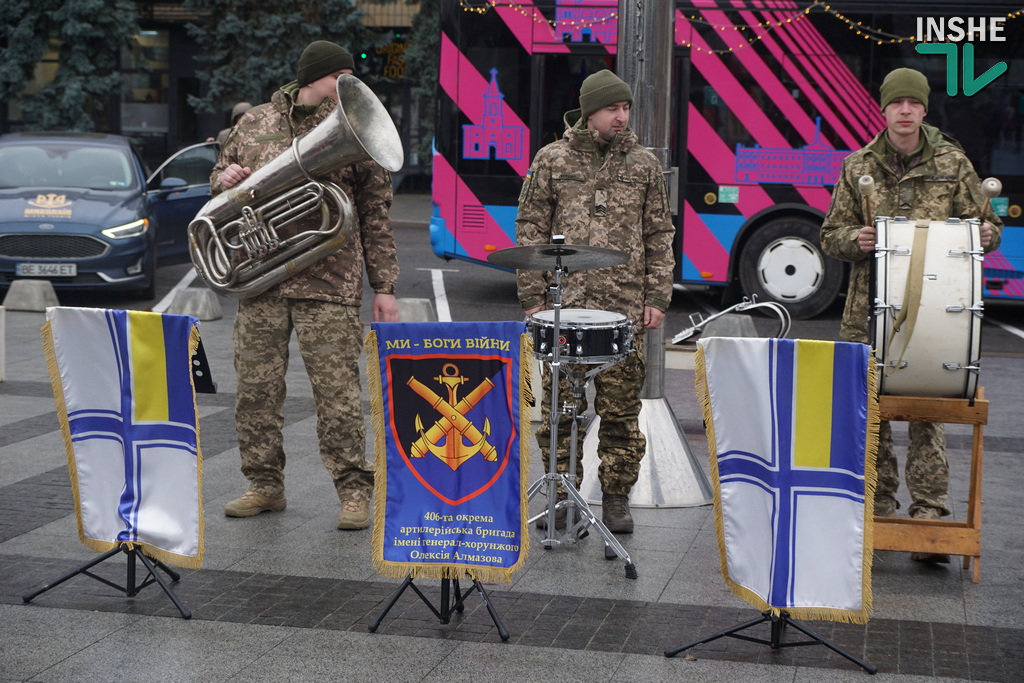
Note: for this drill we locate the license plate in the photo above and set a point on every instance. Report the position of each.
(46, 269)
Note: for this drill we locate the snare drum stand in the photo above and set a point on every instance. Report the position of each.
(575, 505)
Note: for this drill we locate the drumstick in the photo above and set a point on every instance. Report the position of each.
(991, 187)
(866, 184)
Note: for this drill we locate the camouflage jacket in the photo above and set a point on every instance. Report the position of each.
(615, 202)
(266, 131)
(938, 182)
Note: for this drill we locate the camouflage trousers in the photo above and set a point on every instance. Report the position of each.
(330, 340)
(621, 444)
(926, 470)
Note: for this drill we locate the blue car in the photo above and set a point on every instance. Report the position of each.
(80, 210)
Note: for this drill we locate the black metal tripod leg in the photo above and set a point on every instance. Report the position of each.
(81, 570)
(391, 603)
(502, 631)
(185, 614)
(175, 576)
(870, 668)
(446, 602)
(721, 634)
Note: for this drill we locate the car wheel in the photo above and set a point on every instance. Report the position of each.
(783, 262)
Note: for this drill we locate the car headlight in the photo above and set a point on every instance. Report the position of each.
(133, 229)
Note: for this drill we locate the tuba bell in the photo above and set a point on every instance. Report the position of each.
(235, 240)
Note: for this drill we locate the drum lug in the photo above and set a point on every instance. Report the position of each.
(976, 254)
(892, 364)
(977, 309)
(956, 366)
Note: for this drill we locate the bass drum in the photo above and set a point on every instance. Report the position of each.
(927, 339)
(584, 335)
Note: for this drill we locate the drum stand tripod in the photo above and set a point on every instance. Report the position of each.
(574, 504)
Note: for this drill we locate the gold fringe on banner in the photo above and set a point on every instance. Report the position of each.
(65, 430)
(870, 484)
(380, 465)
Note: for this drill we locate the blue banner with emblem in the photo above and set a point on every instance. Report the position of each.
(450, 427)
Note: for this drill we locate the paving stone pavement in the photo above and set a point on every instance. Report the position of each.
(286, 596)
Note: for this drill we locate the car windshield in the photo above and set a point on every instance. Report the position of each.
(64, 166)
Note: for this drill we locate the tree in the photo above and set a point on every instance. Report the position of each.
(249, 49)
(422, 58)
(88, 36)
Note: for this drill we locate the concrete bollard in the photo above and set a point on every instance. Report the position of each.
(730, 325)
(198, 302)
(416, 310)
(30, 295)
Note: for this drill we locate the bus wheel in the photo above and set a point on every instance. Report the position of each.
(783, 262)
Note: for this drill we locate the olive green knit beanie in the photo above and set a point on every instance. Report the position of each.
(905, 82)
(601, 89)
(322, 58)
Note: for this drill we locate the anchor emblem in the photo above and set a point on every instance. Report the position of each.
(453, 426)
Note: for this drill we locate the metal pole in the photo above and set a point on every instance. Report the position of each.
(644, 61)
(670, 475)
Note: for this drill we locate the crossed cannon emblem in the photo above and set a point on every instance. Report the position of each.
(453, 426)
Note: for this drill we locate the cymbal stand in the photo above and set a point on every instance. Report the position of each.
(574, 504)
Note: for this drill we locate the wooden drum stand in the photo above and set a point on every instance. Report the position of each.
(937, 536)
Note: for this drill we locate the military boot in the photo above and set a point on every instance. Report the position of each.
(355, 514)
(615, 513)
(252, 504)
(560, 515)
(930, 558)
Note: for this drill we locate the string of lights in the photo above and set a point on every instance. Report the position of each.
(599, 18)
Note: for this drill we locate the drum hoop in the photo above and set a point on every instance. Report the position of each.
(583, 360)
(566, 321)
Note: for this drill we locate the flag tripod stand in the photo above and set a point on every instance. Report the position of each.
(448, 602)
(779, 623)
(131, 589)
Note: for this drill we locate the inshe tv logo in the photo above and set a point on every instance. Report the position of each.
(944, 35)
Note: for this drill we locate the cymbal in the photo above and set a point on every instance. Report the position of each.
(547, 256)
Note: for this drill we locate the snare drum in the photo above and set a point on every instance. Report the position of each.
(937, 352)
(585, 335)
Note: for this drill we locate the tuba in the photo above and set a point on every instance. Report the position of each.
(235, 240)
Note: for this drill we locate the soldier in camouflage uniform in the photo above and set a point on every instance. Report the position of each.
(597, 186)
(321, 303)
(920, 173)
